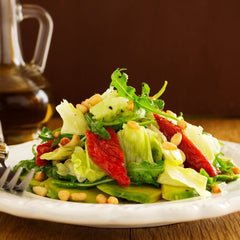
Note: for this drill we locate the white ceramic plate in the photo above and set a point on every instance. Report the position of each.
(30, 205)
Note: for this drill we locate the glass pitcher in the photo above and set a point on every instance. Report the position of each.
(25, 96)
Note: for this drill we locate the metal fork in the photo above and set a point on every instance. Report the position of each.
(10, 180)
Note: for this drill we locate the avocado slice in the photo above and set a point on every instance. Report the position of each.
(53, 190)
(141, 194)
(175, 193)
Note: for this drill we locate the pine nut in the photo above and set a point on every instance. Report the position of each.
(216, 189)
(130, 105)
(169, 112)
(183, 155)
(82, 108)
(39, 190)
(64, 141)
(112, 200)
(176, 138)
(96, 98)
(169, 146)
(64, 195)
(236, 170)
(39, 176)
(74, 141)
(75, 137)
(56, 134)
(86, 104)
(182, 124)
(133, 124)
(79, 196)
(100, 198)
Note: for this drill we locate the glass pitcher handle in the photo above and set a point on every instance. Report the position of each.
(44, 33)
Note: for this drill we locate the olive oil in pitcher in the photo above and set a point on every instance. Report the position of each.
(26, 101)
(23, 110)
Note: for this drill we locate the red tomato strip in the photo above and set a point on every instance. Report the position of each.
(41, 149)
(108, 155)
(194, 157)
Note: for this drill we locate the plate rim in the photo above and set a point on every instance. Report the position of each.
(31, 206)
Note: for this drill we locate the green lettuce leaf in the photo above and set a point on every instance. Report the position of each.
(73, 119)
(173, 156)
(67, 168)
(206, 143)
(135, 144)
(63, 152)
(155, 142)
(110, 109)
(183, 177)
(84, 166)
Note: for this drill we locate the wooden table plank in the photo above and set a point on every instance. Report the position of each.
(16, 228)
(221, 228)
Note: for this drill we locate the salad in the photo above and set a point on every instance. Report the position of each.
(122, 147)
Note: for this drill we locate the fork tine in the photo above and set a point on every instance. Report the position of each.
(4, 177)
(10, 185)
(24, 184)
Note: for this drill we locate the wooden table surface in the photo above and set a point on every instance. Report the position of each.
(225, 227)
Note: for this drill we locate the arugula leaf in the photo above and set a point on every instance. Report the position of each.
(119, 121)
(84, 185)
(46, 134)
(145, 122)
(154, 100)
(161, 91)
(159, 103)
(61, 135)
(34, 150)
(226, 178)
(210, 180)
(224, 166)
(96, 126)
(145, 90)
(145, 172)
(226, 174)
(27, 165)
(119, 81)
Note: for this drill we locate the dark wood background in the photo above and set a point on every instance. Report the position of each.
(194, 45)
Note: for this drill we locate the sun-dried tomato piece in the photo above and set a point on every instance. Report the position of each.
(108, 155)
(194, 157)
(41, 149)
